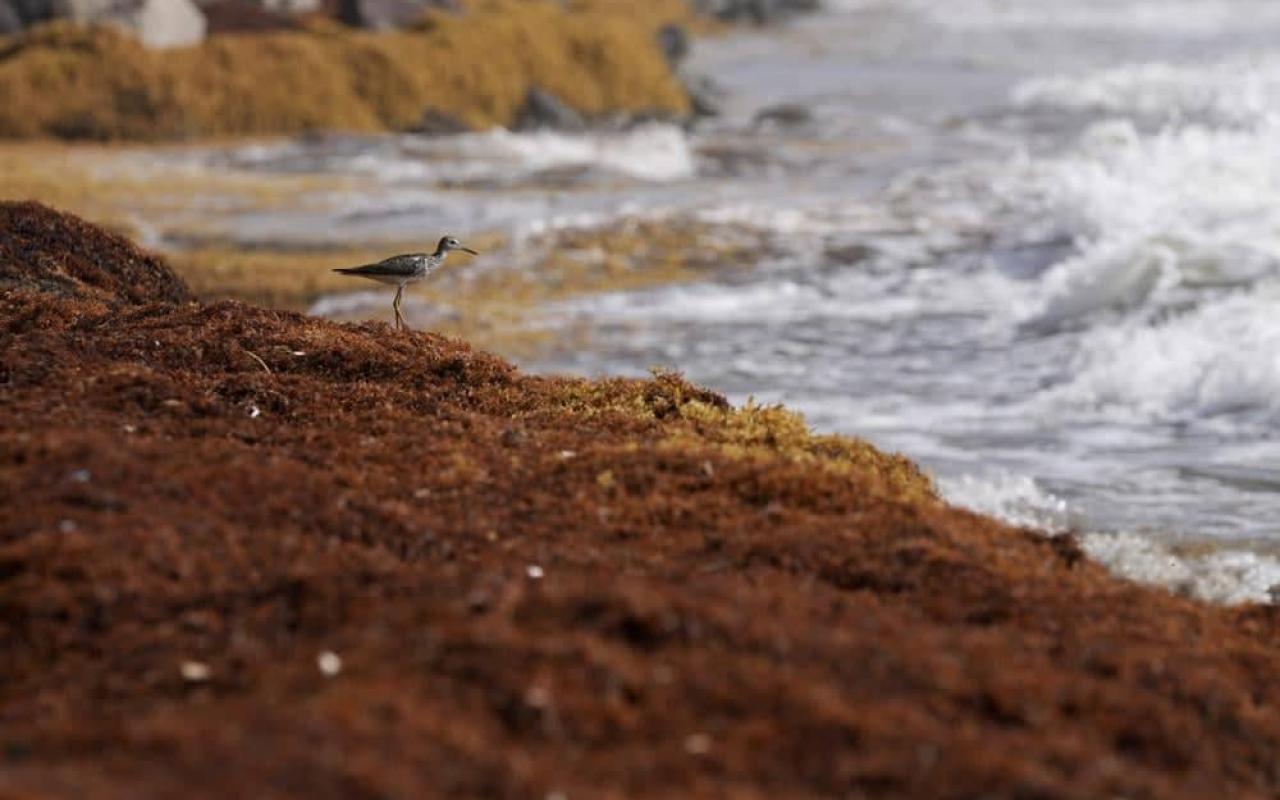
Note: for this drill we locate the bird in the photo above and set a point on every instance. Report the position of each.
(405, 269)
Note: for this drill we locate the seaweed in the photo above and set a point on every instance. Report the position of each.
(96, 83)
(246, 552)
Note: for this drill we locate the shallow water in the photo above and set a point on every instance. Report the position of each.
(1034, 247)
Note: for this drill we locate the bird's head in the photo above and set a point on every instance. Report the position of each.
(449, 244)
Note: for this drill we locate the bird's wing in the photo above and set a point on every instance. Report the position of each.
(396, 265)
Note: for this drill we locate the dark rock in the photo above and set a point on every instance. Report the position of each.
(35, 10)
(385, 14)
(541, 109)
(245, 16)
(292, 6)
(276, 6)
(783, 115)
(621, 121)
(24, 12)
(673, 41)
(761, 12)
(435, 122)
(10, 22)
(848, 253)
(737, 160)
(705, 95)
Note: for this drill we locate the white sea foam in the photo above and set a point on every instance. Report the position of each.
(1236, 90)
(707, 304)
(1176, 241)
(1221, 358)
(1170, 241)
(653, 152)
(1171, 257)
(1146, 215)
(656, 152)
(1222, 576)
(1016, 499)
(1150, 17)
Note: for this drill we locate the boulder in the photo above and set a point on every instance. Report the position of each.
(275, 6)
(385, 14)
(783, 115)
(292, 6)
(760, 12)
(10, 22)
(706, 97)
(18, 14)
(673, 41)
(34, 10)
(542, 109)
(245, 16)
(157, 23)
(435, 122)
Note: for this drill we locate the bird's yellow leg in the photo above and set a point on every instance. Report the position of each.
(395, 306)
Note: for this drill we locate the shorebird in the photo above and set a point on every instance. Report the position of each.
(406, 269)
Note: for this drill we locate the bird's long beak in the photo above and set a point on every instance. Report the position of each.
(468, 250)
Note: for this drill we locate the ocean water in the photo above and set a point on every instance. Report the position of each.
(1033, 245)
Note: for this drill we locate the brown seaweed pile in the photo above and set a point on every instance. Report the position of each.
(250, 553)
(64, 81)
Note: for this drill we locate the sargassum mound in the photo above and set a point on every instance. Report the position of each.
(249, 553)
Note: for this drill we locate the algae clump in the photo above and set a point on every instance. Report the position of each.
(687, 420)
(65, 81)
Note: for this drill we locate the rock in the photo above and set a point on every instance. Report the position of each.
(34, 10)
(783, 115)
(274, 6)
(435, 122)
(385, 14)
(848, 254)
(24, 13)
(705, 95)
(541, 109)
(673, 41)
(243, 16)
(10, 22)
(157, 23)
(760, 12)
(292, 6)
